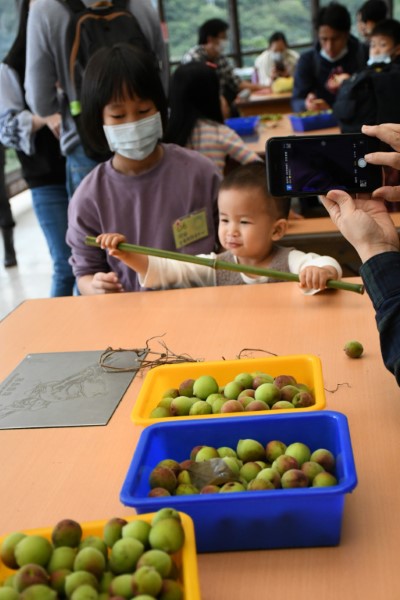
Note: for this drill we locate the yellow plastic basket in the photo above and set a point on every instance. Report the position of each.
(305, 368)
(185, 559)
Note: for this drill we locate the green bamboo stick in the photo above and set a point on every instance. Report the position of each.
(220, 264)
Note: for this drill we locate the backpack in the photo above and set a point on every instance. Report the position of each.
(369, 97)
(103, 23)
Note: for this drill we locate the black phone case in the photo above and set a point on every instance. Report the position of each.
(274, 173)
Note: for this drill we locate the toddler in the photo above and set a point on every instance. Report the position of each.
(251, 223)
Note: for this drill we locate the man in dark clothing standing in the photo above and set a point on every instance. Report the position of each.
(337, 54)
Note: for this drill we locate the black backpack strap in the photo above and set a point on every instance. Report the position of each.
(121, 4)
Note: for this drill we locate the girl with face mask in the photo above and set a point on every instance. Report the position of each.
(160, 194)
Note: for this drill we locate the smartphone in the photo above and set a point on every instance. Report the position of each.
(280, 66)
(310, 165)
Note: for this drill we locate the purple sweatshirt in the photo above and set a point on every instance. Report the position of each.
(143, 208)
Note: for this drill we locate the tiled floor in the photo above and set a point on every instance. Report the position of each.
(31, 278)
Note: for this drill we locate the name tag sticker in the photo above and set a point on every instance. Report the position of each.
(190, 228)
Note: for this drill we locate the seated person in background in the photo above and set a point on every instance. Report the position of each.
(337, 54)
(277, 61)
(147, 190)
(366, 224)
(368, 15)
(372, 95)
(196, 121)
(251, 223)
(212, 42)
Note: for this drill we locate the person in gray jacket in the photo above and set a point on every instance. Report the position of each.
(47, 72)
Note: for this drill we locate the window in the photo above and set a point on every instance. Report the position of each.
(184, 17)
(258, 20)
(8, 25)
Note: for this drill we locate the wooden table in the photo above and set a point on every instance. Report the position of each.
(258, 104)
(322, 236)
(50, 474)
(283, 127)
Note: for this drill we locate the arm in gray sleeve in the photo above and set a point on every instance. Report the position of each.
(15, 118)
(40, 74)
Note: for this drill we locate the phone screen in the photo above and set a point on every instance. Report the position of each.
(312, 165)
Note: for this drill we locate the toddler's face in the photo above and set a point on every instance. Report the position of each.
(245, 227)
(381, 44)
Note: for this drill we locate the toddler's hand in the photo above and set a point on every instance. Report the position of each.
(315, 278)
(109, 241)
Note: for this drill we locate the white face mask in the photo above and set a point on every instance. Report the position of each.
(135, 140)
(223, 46)
(277, 56)
(329, 58)
(379, 59)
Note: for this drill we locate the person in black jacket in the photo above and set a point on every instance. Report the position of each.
(371, 96)
(366, 224)
(38, 149)
(321, 70)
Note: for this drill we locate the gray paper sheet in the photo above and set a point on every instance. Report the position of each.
(64, 389)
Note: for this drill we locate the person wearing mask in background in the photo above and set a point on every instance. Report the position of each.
(366, 224)
(321, 70)
(7, 222)
(47, 70)
(371, 96)
(277, 61)
(211, 47)
(368, 15)
(38, 149)
(196, 121)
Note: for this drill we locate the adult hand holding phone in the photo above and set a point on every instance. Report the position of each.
(389, 133)
(365, 223)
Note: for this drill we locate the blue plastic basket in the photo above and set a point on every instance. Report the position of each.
(243, 125)
(257, 519)
(322, 120)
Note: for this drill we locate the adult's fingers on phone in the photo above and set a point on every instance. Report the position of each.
(388, 159)
(387, 132)
(388, 193)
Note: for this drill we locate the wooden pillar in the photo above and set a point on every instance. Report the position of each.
(235, 32)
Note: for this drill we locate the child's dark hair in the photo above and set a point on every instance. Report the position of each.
(373, 10)
(110, 74)
(194, 95)
(389, 28)
(211, 28)
(253, 175)
(334, 15)
(277, 36)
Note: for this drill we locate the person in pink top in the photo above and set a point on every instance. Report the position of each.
(196, 119)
